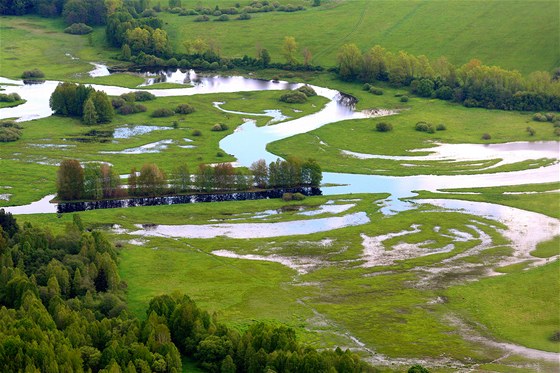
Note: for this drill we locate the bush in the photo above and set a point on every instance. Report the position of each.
(486, 136)
(307, 90)
(117, 102)
(78, 29)
(143, 96)
(298, 197)
(31, 74)
(444, 93)
(539, 117)
(244, 17)
(287, 197)
(531, 131)
(366, 87)
(383, 127)
(149, 13)
(424, 127)
(9, 97)
(196, 133)
(222, 18)
(376, 91)
(294, 97)
(220, 154)
(404, 98)
(128, 97)
(557, 131)
(219, 127)
(9, 131)
(130, 108)
(556, 124)
(176, 10)
(162, 112)
(203, 18)
(441, 127)
(184, 109)
(550, 117)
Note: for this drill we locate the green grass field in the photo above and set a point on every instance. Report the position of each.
(515, 34)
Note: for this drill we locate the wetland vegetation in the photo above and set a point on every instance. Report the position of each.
(434, 245)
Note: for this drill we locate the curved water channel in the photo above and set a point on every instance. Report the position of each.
(248, 143)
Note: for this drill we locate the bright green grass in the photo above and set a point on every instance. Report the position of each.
(121, 79)
(464, 125)
(516, 34)
(548, 248)
(167, 86)
(34, 42)
(521, 307)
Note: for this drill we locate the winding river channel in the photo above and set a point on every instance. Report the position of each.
(248, 143)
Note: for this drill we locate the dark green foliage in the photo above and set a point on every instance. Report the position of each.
(9, 97)
(69, 99)
(423, 87)
(244, 16)
(404, 98)
(10, 131)
(143, 96)
(129, 108)
(531, 131)
(70, 180)
(184, 109)
(8, 223)
(162, 112)
(78, 29)
(441, 127)
(202, 18)
(418, 369)
(555, 337)
(90, 114)
(219, 127)
(376, 91)
(196, 133)
(307, 90)
(222, 18)
(539, 117)
(557, 131)
(33, 74)
(486, 136)
(383, 127)
(294, 97)
(424, 127)
(366, 87)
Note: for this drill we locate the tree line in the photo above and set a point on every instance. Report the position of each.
(472, 84)
(97, 181)
(62, 309)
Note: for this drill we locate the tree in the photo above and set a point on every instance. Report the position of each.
(264, 57)
(289, 49)
(126, 53)
(259, 169)
(90, 114)
(103, 106)
(349, 60)
(181, 179)
(307, 56)
(132, 183)
(151, 181)
(70, 180)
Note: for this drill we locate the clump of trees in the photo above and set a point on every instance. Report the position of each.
(472, 84)
(9, 97)
(33, 74)
(10, 131)
(78, 100)
(96, 181)
(294, 97)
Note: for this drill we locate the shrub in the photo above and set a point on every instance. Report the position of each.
(486, 136)
(550, 117)
(307, 90)
(203, 18)
(531, 131)
(556, 124)
(287, 197)
(149, 13)
(223, 18)
(217, 13)
(539, 117)
(376, 91)
(444, 93)
(143, 96)
(244, 17)
(117, 102)
(9, 97)
(196, 133)
(184, 109)
(176, 10)
(219, 127)
(441, 127)
(128, 97)
(424, 127)
(220, 154)
(366, 87)
(298, 197)
(78, 29)
(162, 112)
(30, 74)
(383, 127)
(294, 97)
(9, 131)
(404, 98)
(130, 108)
(557, 131)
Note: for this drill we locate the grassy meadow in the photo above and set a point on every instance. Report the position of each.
(515, 34)
(390, 289)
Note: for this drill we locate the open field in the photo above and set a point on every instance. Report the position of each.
(515, 34)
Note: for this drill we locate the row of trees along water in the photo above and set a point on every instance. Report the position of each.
(472, 84)
(96, 181)
(62, 309)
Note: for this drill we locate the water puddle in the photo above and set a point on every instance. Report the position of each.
(255, 230)
(128, 131)
(154, 147)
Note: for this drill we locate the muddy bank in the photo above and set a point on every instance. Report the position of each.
(65, 207)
